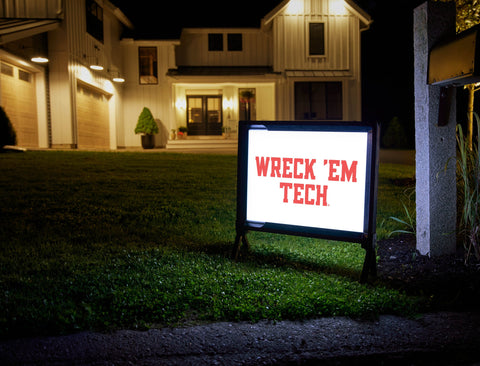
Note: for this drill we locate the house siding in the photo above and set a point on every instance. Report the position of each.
(341, 61)
(193, 48)
(71, 51)
(272, 59)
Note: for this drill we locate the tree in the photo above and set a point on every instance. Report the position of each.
(146, 123)
(468, 15)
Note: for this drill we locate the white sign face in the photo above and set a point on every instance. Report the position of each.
(307, 178)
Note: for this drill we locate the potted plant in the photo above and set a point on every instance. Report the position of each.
(182, 132)
(148, 127)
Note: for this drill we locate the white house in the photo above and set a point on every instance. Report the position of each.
(302, 63)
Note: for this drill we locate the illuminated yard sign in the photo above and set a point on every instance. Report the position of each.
(309, 178)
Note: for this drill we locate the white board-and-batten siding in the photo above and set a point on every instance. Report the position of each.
(341, 62)
(157, 97)
(71, 51)
(193, 48)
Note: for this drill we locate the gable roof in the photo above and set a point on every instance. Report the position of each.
(365, 19)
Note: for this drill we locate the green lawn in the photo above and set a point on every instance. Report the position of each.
(133, 240)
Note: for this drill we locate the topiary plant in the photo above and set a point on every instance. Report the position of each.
(146, 123)
(7, 132)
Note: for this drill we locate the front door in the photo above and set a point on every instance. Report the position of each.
(204, 115)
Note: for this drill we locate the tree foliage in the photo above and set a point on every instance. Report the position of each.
(468, 13)
(7, 131)
(146, 123)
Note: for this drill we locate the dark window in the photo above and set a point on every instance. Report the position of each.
(215, 42)
(317, 39)
(318, 101)
(234, 41)
(6, 69)
(24, 75)
(147, 65)
(94, 20)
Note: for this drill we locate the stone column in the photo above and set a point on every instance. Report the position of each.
(434, 145)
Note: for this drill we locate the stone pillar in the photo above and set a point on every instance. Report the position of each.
(435, 145)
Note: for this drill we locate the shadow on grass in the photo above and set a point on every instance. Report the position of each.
(276, 260)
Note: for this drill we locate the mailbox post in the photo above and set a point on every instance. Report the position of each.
(435, 144)
(443, 61)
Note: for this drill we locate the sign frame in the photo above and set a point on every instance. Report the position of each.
(366, 237)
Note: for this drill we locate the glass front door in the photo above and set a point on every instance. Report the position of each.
(204, 115)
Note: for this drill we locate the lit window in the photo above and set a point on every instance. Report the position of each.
(147, 65)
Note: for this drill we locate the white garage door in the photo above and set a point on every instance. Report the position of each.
(92, 118)
(18, 99)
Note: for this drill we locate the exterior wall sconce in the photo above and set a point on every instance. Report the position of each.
(40, 59)
(96, 64)
(116, 77)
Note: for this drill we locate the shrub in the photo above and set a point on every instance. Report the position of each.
(7, 132)
(146, 123)
(468, 171)
(395, 136)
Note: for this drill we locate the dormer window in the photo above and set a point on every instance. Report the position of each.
(316, 39)
(215, 42)
(234, 41)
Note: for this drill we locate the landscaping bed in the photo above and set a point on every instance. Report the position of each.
(446, 282)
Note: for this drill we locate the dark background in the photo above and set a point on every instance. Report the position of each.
(387, 47)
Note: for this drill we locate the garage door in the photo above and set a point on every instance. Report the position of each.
(18, 99)
(92, 118)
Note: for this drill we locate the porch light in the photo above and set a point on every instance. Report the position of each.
(337, 7)
(181, 104)
(294, 7)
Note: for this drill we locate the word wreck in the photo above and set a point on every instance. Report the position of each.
(304, 169)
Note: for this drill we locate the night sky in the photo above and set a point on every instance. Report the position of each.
(387, 47)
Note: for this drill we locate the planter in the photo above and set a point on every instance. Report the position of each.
(148, 141)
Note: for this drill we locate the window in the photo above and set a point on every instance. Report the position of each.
(215, 42)
(318, 101)
(94, 15)
(6, 69)
(316, 45)
(234, 41)
(147, 65)
(24, 75)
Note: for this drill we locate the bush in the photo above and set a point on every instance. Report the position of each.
(146, 123)
(468, 182)
(7, 132)
(395, 136)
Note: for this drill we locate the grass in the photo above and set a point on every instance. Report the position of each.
(100, 241)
